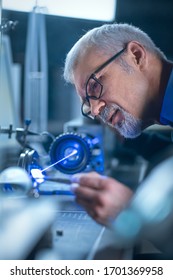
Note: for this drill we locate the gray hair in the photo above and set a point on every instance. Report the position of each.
(108, 39)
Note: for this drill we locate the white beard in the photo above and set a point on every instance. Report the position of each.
(131, 127)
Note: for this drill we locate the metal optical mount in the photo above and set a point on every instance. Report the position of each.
(67, 144)
(21, 133)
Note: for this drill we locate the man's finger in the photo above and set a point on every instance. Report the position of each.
(90, 180)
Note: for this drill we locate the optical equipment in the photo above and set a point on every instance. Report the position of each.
(87, 154)
(78, 149)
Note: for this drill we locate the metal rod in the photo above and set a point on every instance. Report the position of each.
(58, 180)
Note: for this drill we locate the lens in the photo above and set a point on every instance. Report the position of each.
(86, 108)
(94, 88)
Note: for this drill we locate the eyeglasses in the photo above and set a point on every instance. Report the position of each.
(94, 89)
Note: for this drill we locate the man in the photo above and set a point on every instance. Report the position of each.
(124, 80)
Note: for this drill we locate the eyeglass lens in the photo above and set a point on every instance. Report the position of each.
(93, 88)
(86, 107)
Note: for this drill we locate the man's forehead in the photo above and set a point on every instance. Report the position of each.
(86, 65)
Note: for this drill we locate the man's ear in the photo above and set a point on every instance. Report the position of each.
(137, 53)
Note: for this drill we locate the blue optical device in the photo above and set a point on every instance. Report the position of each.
(71, 152)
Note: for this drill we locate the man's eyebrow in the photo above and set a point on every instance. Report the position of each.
(84, 85)
(86, 81)
(81, 94)
(80, 89)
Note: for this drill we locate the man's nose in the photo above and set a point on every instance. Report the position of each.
(97, 106)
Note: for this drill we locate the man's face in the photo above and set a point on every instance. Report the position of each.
(121, 105)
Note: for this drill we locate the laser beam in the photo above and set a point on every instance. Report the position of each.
(70, 155)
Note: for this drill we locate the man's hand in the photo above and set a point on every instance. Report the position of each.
(102, 197)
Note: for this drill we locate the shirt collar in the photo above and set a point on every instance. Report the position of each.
(166, 116)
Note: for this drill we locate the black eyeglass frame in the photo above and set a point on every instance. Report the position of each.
(93, 76)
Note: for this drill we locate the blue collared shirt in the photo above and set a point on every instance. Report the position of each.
(166, 116)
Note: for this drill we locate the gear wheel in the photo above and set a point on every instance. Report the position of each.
(65, 145)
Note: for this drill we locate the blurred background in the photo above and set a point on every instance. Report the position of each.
(35, 37)
(61, 32)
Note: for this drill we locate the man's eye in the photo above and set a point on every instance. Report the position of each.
(93, 88)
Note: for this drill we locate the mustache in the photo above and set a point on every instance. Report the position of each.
(104, 114)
